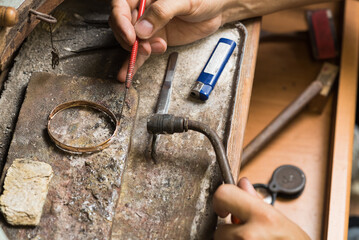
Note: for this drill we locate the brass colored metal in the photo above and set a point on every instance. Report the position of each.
(80, 150)
(42, 16)
(8, 16)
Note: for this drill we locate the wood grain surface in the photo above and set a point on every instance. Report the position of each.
(322, 210)
(11, 38)
(284, 69)
(235, 143)
(336, 220)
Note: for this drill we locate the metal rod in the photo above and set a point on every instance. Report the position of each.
(42, 16)
(218, 148)
(164, 98)
(267, 134)
(169, 124)
(132, 61)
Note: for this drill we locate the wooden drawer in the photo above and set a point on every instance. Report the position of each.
(321, 145)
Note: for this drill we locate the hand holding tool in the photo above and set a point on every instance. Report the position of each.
(165, 97)
(133, 56)
(131, 64)
(8, 16)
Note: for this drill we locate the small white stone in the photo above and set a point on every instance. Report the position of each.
(25, 190)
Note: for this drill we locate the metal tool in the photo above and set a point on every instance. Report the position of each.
(164, 97)
(93, 48)
(169, 124)
(55, 57)
(93, 22)
(213, 69)
(8, 16)
(323, 82)
(287, 181)
(133, 56)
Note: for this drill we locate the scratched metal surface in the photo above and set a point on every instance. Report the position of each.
(172, 199)
(84, 190)
(35, 56)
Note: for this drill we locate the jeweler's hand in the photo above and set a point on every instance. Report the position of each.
(164, 22)
(178, 22)
(259, 219)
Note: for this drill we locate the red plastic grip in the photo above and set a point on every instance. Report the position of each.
(132, 62)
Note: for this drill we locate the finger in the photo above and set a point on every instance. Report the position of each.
(121, 21)
(231, 199)
(121, 41)
(246, 185)
(158, 15)
(144, 45)
(229, 231)
(134, 16)
(121, 76)
(144, 48)
(158, 45)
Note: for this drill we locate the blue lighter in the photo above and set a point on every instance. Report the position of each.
(213, 69)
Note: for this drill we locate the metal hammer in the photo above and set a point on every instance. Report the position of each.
(315, 96)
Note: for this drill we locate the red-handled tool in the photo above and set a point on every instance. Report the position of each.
(131, 64)
(133, 56)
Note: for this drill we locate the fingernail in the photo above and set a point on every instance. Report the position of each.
(144, 28)
(157, 47)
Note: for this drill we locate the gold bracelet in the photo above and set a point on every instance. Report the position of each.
(80, 150)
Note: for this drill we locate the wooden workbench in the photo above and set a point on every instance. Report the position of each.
(323, 209)
(321, 145)
(199, 169)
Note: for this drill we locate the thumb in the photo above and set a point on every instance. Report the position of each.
(158, 15)
(231, 199)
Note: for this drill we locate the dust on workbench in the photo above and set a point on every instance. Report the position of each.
(170, 199)
(84, 190)
(35, 56)
(69, 127)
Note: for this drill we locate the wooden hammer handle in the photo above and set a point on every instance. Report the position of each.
(280, 121)
(8, 16)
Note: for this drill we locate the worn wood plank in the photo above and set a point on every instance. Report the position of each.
(241, 107)
(340, 169)
(12, 37)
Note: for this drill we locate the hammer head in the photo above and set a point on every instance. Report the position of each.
(327, 77)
